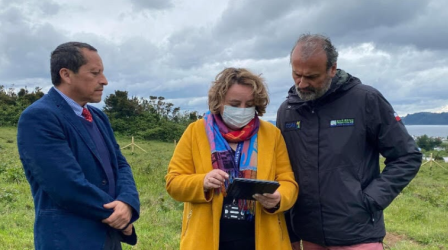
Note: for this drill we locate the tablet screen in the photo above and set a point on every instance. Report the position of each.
(242, 188)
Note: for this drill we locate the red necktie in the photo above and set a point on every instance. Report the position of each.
(86, 114)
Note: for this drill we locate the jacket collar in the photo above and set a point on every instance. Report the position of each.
(341, 82)
(67, 112)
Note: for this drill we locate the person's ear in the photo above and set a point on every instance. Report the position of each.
(65, 74)
(333, 69)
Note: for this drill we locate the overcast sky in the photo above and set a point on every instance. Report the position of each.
(174, 48)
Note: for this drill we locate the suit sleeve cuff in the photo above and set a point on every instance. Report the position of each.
(129, 239)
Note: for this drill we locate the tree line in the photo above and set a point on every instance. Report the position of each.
(428, 143)
(150, 118)
(12, 103)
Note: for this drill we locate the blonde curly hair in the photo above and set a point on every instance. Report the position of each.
(230, 76)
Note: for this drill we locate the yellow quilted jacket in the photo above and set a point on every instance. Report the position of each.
(202, 211)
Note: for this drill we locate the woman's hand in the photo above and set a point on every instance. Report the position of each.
(214, 179)
(268, 201)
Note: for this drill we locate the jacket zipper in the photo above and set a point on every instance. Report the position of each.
(188, 221)
(318, 168)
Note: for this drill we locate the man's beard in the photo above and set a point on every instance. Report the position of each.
(313, 93)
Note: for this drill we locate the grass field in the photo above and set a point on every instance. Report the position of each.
(417, 219)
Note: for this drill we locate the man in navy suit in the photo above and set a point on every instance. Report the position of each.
(84, 192)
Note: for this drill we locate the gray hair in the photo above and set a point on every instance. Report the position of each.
(310, 43)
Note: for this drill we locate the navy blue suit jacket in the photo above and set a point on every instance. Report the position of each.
(66, 175)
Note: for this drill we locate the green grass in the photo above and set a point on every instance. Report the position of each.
(417, 219)
(420, 212)
(160, 217)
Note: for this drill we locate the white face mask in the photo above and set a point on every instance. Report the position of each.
(237, 117)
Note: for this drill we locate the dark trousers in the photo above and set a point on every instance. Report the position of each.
(245, 244)
(112, 240)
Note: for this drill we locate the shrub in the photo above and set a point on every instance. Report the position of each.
(166, 132)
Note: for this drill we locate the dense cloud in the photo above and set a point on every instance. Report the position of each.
(24, 46)
(175, 49)
(153, 4)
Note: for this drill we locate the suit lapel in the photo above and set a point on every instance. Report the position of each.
(74, 121)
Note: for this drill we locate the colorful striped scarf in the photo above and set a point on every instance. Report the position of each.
(222, 155)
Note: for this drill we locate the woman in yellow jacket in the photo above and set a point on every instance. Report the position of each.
(231, 142)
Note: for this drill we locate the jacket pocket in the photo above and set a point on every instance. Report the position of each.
(368, 203)
(280, 226)
(188, 220)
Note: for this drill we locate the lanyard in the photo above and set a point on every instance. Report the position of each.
(237, 156)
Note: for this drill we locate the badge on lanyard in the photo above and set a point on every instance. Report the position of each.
(233, 212)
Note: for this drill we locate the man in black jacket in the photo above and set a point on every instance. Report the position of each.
(335, 129)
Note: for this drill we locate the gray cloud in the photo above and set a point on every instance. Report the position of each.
(245, 19)
(151, 5)
(271, 29)
(397, 47)
(25, 47)
(192, 47)
(48, 7)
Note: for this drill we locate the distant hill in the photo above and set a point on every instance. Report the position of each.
(426, 118)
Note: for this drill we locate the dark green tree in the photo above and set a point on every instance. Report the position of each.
(12, 104)
(152, 119)
(428, 143)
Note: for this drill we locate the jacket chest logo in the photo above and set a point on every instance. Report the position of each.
(295, 125)
(342, 122)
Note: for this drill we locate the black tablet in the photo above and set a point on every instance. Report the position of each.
(242, 188)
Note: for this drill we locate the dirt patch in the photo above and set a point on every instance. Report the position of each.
(392, 239)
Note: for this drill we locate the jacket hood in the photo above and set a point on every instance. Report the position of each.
(340, 83)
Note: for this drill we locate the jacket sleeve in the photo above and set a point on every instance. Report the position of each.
(48, 161)
(387, 133)
(183, 182)
(125, 185)
(129, 239)
(289, 188)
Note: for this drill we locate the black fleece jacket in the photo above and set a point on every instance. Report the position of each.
(334, 144)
